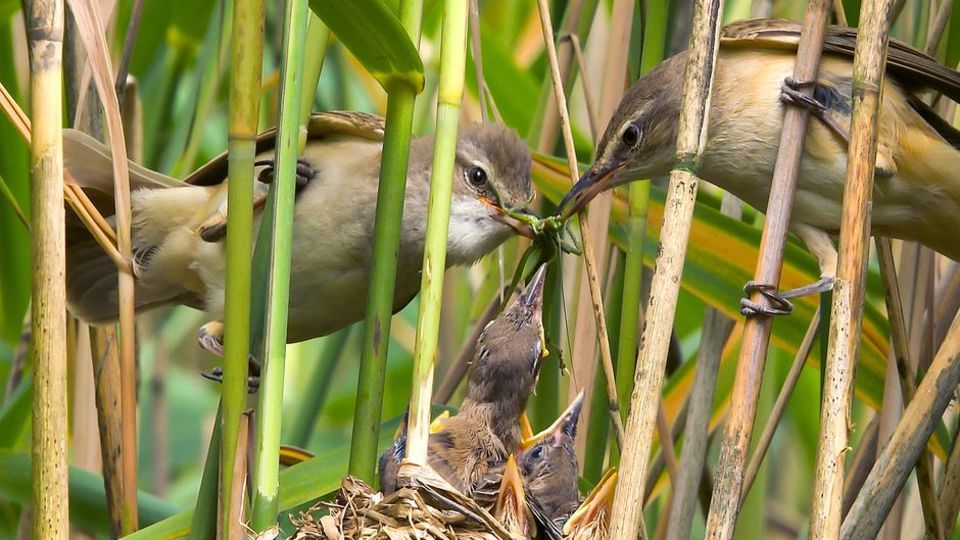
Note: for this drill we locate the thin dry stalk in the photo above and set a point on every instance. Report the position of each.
(681, 196)
(847, 309)
(550, 129)
(94, 40)
(476, 52)
(863, 459)
(920, 418)
(799, 360)
(594, 229)
(593, 271)
(901, 350)
(239, 482)
(937, 27)
(696, 432)
(725, 503)
(839, 13)
(949, 499)
(106, 374)
(588, 98)
(44, 24)
(948, 301)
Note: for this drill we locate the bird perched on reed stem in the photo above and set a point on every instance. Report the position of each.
(471, 448)
(179, 226)
(916, 193)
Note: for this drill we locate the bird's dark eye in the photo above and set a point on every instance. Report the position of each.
(536, 453)
(630, 136)
(477, 176)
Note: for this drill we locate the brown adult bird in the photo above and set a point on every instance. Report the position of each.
(471, 448)
(548, 463)
(179, 226)
(591, 520)
(916, 194)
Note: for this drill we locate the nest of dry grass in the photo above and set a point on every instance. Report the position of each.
(425, 507)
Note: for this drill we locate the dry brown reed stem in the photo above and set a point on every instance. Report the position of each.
(860, 464)
(949, 497)
(847, 310)
(793, 376)
(655, 341)
(550, 129)
(937, 27)
(44, 26)
(594, 228)
(590, 261)
(894, 464)
(239, 483)
(901, 350)
(106, 374)
(725, 503)
(588, 98)
(696, 432)
(94, 40)
(95, 222)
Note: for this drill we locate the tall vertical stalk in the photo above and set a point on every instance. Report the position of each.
(376, 330)
(681, 194)
(725, 503)
(266, 472)
(247, 57)
(44, 24)
(453, 59)
(848, 294)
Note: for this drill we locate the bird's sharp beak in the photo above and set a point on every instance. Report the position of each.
(511, 490)
(526, 431)
(589, 186)
(565, 423)
(596, 506)
(520, 227)
(532, 296)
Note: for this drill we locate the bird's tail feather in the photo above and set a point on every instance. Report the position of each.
(91, 274)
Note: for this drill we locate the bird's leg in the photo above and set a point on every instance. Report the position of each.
(821, 246)
(790, 93)
(210, 338)
(305, 172)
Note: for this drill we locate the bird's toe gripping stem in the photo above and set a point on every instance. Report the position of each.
(791, 93)
(305, 172)
(210, 338)
(778, 304)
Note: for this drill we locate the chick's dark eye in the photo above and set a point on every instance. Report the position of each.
(536, 453)
(630, 136)
(477, 176)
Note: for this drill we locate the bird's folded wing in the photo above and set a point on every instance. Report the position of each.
(912, 67)
(324, 125)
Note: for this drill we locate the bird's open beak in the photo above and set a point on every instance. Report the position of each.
(511, 493)
(596, 506)
(592, 183)
(526, 430)
(566, 423)
(521, 228)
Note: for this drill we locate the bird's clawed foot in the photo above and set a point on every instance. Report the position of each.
(791, 93)
(779, 303)
(210, 338)
(305, 172)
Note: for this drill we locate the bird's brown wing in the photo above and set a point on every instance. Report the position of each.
(324, 125)
(911, 67)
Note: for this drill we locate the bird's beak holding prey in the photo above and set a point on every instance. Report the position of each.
(566, 423)
(592, 183)
(532, 297)
(596, 507)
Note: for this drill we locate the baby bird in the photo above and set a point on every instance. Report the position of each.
(592, 519)
(550, 470)
(470, 450)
